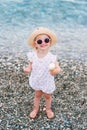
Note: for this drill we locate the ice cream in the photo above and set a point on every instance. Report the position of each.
(51, 66)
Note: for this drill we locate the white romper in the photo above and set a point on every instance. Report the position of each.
(40, 77)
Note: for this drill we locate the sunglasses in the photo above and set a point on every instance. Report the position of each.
(46, 40)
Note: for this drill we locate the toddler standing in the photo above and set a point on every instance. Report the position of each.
(43, 66)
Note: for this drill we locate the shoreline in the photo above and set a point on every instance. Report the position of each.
(69, 99)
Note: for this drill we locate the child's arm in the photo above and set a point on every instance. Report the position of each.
(56, 70)
(27, 70)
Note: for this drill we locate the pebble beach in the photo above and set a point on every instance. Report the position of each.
(69, 99)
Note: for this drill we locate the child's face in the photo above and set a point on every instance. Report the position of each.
(42, 42)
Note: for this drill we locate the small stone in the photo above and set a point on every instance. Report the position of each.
(1, 104)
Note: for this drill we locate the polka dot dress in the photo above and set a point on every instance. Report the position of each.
(40, 77)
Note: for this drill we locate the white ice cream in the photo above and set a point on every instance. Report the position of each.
(51, 66)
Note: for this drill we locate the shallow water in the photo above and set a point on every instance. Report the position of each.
(68, 18)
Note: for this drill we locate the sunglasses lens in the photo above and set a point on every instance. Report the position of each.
(39, 41)
(46, 40)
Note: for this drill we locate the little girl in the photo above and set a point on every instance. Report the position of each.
(43, 66)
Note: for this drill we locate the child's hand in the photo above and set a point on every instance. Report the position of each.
(54, 68)
(53, 72)
(26, 70)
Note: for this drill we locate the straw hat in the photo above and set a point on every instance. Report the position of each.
(39, 31)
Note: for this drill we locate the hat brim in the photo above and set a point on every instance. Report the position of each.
(40, 31)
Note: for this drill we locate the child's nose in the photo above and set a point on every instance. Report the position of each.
(43, 42)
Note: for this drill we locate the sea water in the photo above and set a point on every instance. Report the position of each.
(68, 18)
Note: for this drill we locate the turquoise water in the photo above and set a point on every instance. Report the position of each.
(68, 18)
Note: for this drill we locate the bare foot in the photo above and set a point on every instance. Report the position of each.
(33, 114)
(50, 113)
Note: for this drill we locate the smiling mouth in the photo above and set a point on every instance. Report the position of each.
(43, 45)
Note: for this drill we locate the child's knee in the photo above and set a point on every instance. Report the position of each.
(47, 96)
(38, 94)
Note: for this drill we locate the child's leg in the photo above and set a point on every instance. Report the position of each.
(37, 97)
(49, 111)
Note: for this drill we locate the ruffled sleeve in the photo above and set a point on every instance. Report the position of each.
(30, 56)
